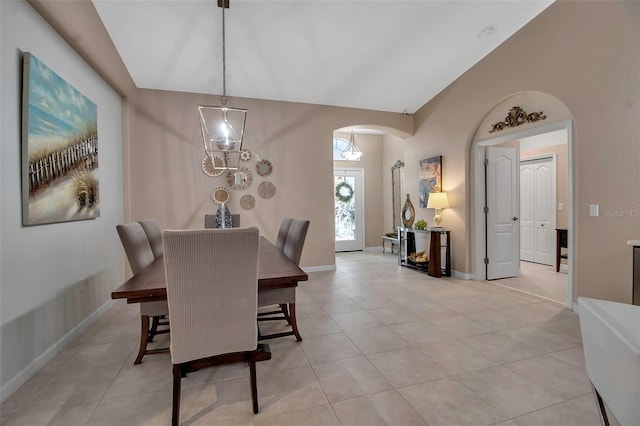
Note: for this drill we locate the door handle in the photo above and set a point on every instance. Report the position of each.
(514, 218)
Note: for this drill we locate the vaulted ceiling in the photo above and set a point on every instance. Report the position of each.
(380, 55)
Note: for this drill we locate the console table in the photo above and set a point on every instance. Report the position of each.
(434, 266)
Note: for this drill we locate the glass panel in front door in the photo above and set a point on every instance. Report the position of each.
(345, 208)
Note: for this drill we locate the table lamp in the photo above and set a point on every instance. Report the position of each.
(438, 201)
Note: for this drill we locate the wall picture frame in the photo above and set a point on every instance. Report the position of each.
(430, 178)
(59, 148)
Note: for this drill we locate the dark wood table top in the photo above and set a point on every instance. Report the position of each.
(275, 270)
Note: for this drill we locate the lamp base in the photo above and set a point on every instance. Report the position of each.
(437, 218)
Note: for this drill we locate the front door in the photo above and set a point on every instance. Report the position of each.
(503, 236)
(348, 186)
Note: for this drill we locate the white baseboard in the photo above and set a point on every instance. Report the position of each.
(23, 376)
(461, 275)
(320, 268)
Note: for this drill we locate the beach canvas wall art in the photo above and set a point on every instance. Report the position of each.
(59, 149)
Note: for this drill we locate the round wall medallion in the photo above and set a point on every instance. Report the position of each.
(245, 155)
(266, 190)
(220, 195)
(247, 202)
(242, 181)
(207, 166)
(264, 167)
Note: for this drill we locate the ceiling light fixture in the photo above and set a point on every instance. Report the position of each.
(352, 152)
(222, 126)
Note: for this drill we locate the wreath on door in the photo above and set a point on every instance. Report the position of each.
(344, 192)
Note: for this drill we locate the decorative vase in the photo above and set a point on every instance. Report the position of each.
(408, 213)
(223, 216)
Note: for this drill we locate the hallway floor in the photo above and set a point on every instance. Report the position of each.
(539, 280)
(383, 345)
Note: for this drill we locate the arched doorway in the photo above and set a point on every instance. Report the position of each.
(557, 119)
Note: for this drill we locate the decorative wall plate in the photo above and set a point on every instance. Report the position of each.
(245, 155)
(246, 179)
(220, 195)
(207, 166)
(247, 202)
(266, 190)
(264, 167)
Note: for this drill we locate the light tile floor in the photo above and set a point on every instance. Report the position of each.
(540, 280)
(383, 345)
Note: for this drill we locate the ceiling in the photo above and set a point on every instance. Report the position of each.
(381, 55)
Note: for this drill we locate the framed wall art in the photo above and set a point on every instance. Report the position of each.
(59, 149)
(430, 178)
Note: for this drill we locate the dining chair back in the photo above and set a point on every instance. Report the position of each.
(285, 298)
(139, 253)
(282, 232)
(136, 245)
(212, 290)
(210, 220)
(154, 236)
(295, 239)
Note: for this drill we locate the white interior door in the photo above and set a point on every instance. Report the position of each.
(503, 231)
(527, 203)
(349, 214)
(537, 210)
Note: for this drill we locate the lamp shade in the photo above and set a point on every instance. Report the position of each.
(438, 200)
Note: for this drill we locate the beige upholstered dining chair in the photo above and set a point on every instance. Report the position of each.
(285, 298)
(282, 232)
(212, 290)
(140, 254)
(154, 236)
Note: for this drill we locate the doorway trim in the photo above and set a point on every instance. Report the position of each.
(479, 273)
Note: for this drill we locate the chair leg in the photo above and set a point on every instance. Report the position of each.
(177, 381)
(154, 328)
(254, 385)
(285, 311)
(144, 338)
(293, 322)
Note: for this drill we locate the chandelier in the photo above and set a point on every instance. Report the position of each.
(222, 126)
(352, 152)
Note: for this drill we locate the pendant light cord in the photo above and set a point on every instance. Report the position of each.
(223, 98)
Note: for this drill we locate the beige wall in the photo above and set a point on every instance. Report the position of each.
(595, 74)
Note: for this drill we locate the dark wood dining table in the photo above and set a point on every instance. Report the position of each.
(275, 270)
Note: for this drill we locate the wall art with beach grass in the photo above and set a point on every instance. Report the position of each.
(59, 149)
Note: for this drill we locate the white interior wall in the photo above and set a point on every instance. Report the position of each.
(53, 278)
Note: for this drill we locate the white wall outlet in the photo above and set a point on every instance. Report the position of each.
(561, 206)
(593, 210)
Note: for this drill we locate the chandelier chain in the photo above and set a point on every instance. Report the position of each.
(224, 60)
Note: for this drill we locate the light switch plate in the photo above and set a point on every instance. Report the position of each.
(593, 210)
(561, 206)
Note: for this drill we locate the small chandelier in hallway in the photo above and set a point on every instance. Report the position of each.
(352, 152)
